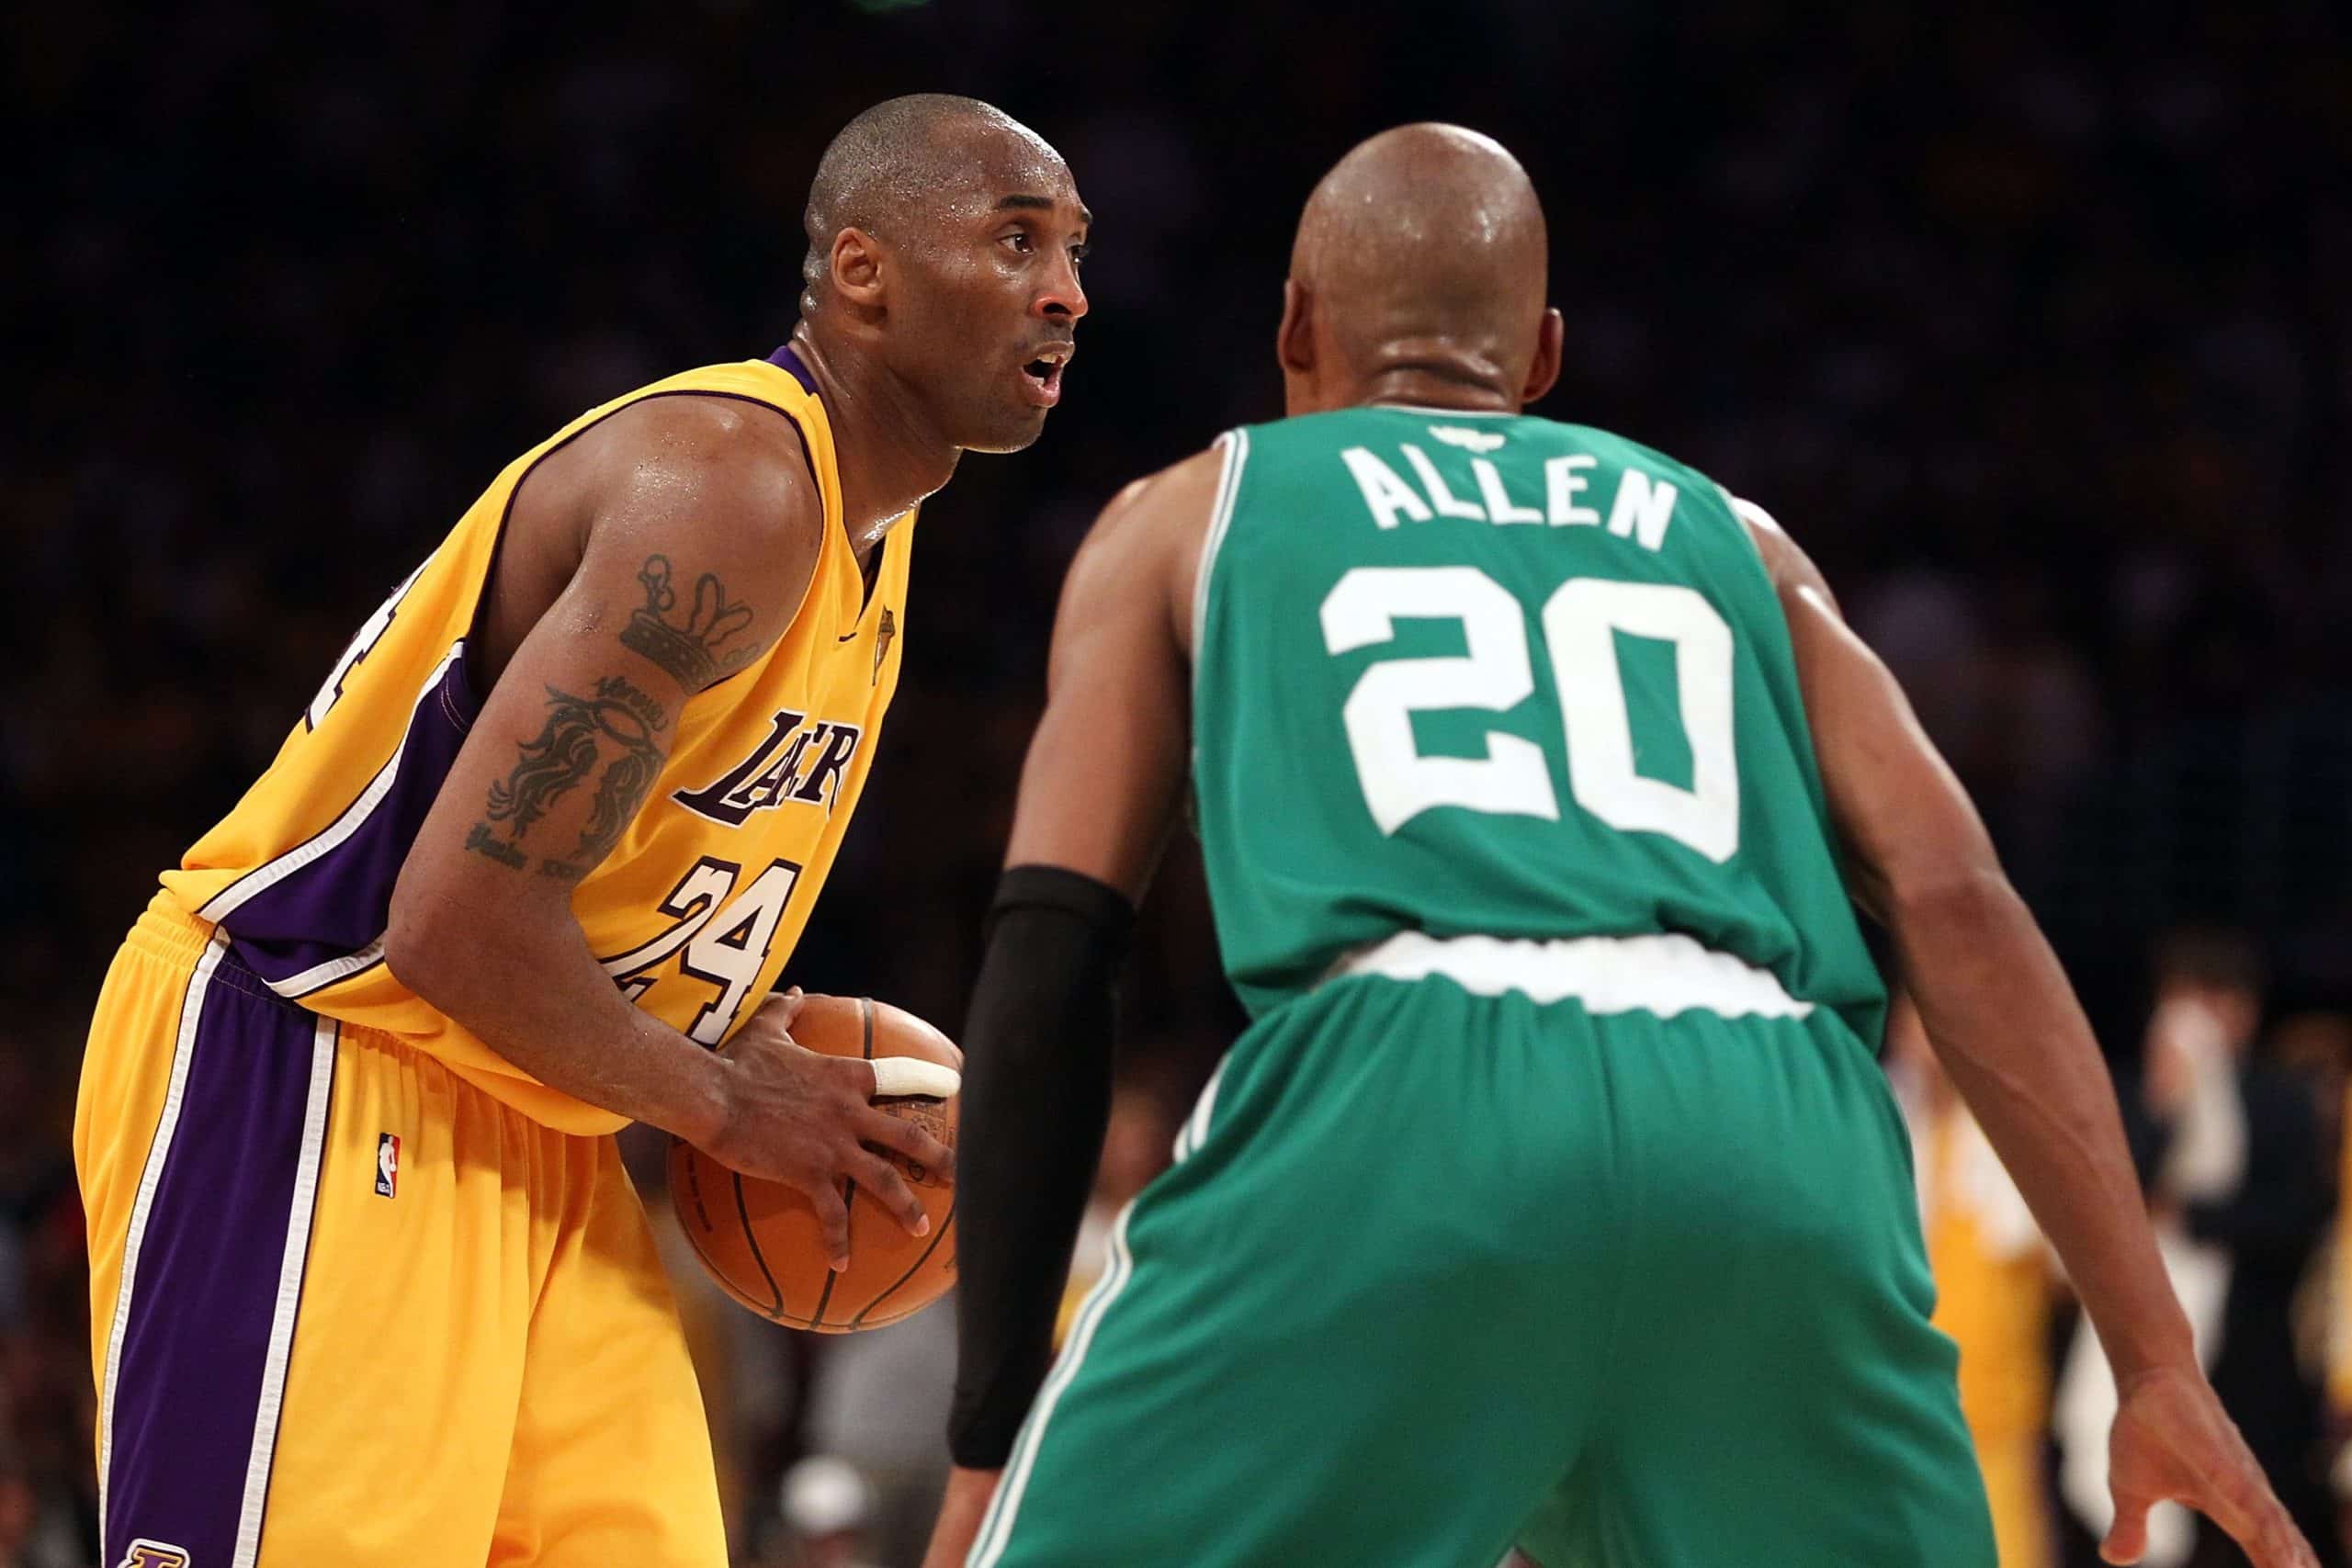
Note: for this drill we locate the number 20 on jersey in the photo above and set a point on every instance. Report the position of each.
(1580, 622)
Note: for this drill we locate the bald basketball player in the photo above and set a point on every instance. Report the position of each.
(368, 1284)
(1553, 1193)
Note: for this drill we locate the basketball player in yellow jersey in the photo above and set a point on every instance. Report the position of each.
(368, 1285)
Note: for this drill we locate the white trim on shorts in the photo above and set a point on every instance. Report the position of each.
(997, 1527)
(1195, 1131)
(320, 976)
(299, 1214)
(996, 1531)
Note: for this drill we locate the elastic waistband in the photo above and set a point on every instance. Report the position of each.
(166, 933)
(165, 930)
(1659, 974)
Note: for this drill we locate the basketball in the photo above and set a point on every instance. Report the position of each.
(760, 1239)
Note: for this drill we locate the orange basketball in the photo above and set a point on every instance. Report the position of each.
(760, 1239)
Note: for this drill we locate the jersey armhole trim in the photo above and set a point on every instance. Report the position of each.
(1236, 443)
(1739, 510)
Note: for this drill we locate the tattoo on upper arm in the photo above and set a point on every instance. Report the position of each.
(630, 773)
(615, 727)
(610, 737)
(688, 649)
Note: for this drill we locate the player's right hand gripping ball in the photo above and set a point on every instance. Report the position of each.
(760, 1240)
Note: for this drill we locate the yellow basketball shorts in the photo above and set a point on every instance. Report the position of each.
(346, 1308)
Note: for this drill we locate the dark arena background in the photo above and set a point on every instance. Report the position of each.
(2031, 322)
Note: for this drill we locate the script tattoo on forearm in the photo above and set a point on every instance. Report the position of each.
(615, 727)
(688, 646)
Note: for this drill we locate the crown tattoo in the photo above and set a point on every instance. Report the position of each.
(687, 650)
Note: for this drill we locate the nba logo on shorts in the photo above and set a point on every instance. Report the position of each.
(388, 1165)
(145, 1553)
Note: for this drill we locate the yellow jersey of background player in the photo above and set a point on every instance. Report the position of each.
(367, 1283)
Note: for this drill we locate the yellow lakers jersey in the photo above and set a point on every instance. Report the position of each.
(696, 910)
(1991, 1285)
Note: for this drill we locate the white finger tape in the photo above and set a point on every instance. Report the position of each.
(912, 1075)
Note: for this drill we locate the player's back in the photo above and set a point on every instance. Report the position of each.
(1478, 674)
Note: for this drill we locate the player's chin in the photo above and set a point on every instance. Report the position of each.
(1009, 431)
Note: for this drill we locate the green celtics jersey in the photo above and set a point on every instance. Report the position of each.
(1492, 674)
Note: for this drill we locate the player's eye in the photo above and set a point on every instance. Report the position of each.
(1077, 254)
(1019, 240)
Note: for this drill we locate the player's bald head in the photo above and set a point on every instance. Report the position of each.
(897, 163)
(1425, 248)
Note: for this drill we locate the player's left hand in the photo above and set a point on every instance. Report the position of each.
(961, 1513)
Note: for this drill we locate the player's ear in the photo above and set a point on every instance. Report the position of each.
(856, 263)
(1295, 339)
(1546, 368)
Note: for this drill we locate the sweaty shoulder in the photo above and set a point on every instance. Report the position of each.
(681, 488)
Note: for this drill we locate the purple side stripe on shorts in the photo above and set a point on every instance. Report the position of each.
(298, 921)
(207, 1325)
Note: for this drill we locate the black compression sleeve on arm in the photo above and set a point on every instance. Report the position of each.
(1036, 1096)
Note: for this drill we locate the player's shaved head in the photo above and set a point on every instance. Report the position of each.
(1424, 250)
(945, 239)
(891, 166)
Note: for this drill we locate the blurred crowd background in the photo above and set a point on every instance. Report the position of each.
(2029, 322)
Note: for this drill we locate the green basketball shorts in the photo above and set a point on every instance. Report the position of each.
(1438, 1271)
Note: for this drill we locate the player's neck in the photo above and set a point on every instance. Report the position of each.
(888, 454)
(1414, 386)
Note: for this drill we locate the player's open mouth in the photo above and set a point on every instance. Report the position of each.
(1041, 378)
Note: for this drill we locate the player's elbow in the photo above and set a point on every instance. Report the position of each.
(1950, 895)
(425, 944)
(411, 952)
(460, 942)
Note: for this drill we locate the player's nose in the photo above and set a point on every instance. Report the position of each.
(1063, 297)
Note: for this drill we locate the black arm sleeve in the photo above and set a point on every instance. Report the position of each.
(1037, 1098)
